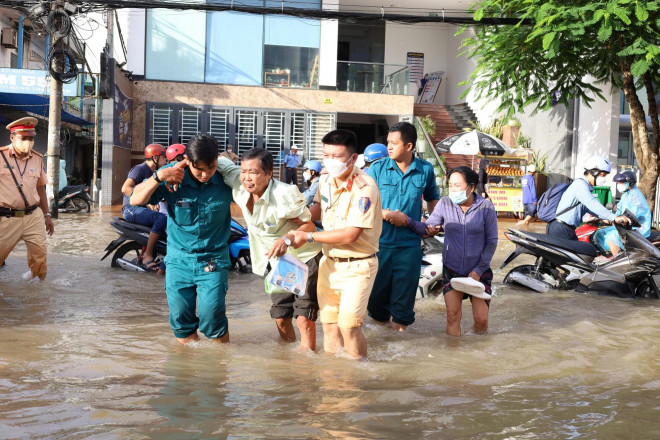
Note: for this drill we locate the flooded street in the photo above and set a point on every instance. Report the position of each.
(88, 353)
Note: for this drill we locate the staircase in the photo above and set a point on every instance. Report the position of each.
(449, 120)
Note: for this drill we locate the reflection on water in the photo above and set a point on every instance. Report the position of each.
(88, 354)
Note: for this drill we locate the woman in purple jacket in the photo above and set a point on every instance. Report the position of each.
(470, 225)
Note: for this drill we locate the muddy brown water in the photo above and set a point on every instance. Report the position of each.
(88, 354)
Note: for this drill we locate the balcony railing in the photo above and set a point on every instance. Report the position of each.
(392, 79)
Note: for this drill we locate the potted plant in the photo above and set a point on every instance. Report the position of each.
(541, 177)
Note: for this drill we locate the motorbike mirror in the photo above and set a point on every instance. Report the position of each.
(634, 221)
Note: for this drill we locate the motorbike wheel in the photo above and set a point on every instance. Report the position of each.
(130, 251)
(244, 263)
(81, 204)
(646, 290)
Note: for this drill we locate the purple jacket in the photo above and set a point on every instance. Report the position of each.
(470, 238)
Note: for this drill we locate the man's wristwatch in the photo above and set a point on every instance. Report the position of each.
(155, 176)
(47, 214)
(286, 240)
(310, 238)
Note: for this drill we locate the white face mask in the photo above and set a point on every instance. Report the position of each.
(23, 146)
(622, 187)
(335, 167)
(307, 176)
(600, 180)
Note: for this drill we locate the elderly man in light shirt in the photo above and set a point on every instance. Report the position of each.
(273, 210)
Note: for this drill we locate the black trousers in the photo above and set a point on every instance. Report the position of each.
(291, 175)
(561, 230)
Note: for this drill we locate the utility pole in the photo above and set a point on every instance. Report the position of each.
(54, 125)
(97, 103)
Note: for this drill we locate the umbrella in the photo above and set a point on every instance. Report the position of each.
(472, 143)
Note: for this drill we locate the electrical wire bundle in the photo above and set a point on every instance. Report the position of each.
(64, 58)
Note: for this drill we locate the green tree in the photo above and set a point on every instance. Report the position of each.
(566, 50)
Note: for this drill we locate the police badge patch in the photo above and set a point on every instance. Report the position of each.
(364, 204)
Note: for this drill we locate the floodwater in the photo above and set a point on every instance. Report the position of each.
(88, 353)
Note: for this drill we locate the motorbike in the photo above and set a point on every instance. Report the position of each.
(74, 198)
(130, 246)
(430, 278)
(569, 265)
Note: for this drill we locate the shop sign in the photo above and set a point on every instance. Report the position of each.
(506, 199)
(327, 101)
(35, 82)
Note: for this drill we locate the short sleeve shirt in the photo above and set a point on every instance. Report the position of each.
(139, 173)
(29, 172)
(403, 192)
(355, 203)
(291, 160)
(198, 222)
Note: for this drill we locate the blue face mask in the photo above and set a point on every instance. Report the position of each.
(458, 197)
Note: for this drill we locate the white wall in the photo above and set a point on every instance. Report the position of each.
(328, 48)
(133, 26)
(430, 39)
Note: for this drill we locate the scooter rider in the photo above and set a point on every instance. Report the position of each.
(175, 153)
(372, 153)
(579, 194)
(311, 177)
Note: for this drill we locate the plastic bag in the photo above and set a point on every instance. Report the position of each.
(289, 275)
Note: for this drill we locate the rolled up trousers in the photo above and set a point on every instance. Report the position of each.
(32, 230)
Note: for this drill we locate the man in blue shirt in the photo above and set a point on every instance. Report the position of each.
(402, 180)
(198, 227)
(154, 155)
(529, 195)
(578, 199)
(291, 162)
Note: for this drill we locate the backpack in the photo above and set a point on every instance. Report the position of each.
(547, 204)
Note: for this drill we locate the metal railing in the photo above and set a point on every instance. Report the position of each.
(372, 77)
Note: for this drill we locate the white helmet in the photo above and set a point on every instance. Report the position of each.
(597, 163)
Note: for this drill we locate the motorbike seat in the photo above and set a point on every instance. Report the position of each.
(579, 247)
(71, 189)
(123, 224)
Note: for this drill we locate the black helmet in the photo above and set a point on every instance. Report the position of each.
(626, 176)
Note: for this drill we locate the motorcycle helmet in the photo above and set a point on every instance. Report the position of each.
(314, 165)
(597, 163)
(626, 176)
(374, 152)
(153, 150)
(175, 150)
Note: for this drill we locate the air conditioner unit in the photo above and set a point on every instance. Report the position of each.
(9, 38)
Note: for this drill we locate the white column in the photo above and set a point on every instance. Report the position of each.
(133, 24)
(328, 48)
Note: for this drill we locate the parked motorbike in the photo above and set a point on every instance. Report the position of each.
(130, 246)
(74, 198)
(569, 265)
(430, 278)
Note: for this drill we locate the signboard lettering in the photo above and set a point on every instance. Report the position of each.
(34, 82)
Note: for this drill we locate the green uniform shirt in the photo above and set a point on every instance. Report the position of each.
(271, 218)
(198, 222)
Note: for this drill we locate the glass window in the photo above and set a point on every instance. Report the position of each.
(175, 45)
(234, 55)
(289, 66)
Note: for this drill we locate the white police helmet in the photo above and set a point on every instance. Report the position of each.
(597, 163)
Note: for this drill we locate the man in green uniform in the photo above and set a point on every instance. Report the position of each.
(198, 227)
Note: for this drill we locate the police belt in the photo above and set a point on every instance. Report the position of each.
(8, 212)
(349, 259)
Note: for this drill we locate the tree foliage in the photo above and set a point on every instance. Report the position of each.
(562, 50)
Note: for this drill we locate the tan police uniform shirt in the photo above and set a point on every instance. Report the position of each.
(29, 172)
(355, 203)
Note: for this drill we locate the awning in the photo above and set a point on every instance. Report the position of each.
(38, 105)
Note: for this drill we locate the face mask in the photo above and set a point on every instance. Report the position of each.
(307, 176)
(23, 146)
(458, 197)
(335, 167)
(600, 180)
(622, 187)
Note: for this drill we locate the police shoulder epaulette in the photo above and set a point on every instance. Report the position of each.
(37, 153)
(5, 148)
(361, 183)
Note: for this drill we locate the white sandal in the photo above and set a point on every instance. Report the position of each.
(470, 286)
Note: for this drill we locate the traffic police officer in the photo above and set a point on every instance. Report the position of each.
(402, 180)
(349, 204)
(198, 227)
(24, 213)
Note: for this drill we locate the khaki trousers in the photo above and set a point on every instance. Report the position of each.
(32, 230)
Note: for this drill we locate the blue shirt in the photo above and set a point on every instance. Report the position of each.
(198, 222)
(291, 160)
(139, 173)
(310, 192)
(528, 189)
(581, 191)
(403, 192)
